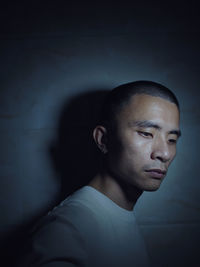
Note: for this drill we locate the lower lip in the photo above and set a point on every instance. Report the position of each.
(156, 175)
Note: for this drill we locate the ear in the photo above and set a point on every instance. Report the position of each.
(100, 138)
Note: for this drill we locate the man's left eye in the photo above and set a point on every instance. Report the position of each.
(172, 141)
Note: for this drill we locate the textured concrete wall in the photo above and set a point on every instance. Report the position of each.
(56, 63)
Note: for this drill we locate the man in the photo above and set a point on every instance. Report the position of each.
(95, 226)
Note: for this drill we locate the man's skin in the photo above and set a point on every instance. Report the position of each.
(139, 153)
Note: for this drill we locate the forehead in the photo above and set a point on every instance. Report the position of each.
(147, 107)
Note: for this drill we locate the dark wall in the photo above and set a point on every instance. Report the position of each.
(57, 62)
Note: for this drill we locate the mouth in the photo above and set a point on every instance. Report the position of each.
(156, 173)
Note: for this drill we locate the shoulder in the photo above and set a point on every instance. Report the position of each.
(62, 233)
(69, 216)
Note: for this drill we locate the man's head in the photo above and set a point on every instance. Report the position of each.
(120, 96)
(138, 133)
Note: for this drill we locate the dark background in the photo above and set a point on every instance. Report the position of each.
(58, 59)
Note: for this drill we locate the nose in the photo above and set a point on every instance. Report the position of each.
(160, 151)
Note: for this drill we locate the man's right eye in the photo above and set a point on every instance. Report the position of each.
(145, 134)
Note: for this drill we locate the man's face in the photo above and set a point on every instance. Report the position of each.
(145, 145)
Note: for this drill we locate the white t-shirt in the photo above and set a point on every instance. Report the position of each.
(88, 229)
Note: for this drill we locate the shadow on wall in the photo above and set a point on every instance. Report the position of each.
(75, 155)
(75, 158)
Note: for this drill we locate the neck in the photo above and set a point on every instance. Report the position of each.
(123, 195)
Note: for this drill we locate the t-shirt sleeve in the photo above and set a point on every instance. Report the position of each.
(57, 243)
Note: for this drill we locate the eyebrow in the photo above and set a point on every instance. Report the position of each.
(150, 124)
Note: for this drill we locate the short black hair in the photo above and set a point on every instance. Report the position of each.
(120, 96)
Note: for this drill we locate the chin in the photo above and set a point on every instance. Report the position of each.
(151, 187)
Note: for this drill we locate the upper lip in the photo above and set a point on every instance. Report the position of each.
(157, 170)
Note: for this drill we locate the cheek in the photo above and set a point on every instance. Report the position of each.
(173, 154)
(138, 150)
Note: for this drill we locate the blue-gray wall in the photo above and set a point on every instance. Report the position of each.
(56, 63)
